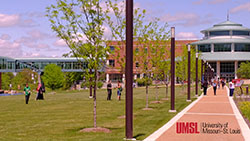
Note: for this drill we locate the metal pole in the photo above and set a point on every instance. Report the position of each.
(0, 80)
(196, 72)
(172, 106)
(129, 69)
(189, 68)
(201, 72)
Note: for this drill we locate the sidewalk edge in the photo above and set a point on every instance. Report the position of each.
(165, 127)
(243, 125)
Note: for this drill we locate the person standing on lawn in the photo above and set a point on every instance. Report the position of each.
(109, 89)
(119, 90)
(27, 93)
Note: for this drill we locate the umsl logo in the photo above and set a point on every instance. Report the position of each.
(187, 128)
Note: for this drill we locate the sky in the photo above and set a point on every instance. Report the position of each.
(25, 30)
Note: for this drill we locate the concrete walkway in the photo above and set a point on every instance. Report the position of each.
(209, 118)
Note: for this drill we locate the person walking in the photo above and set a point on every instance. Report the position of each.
(218, 83)
(27, 93)
(39, 92)
(205, 85)
(231, 87)
(109, 89)
(119, 90)
(222, 83)
(214, 86)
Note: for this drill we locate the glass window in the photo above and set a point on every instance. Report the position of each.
(115, 77)
(227, 67)
(112, 63)
(222, 47)
(137, 64)
(244, 33)
(219, 33)
(112, 48)
(213, 65)
(242, 48)
(204, 48)
(137, 50)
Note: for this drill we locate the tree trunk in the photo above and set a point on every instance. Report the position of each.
(90, 86)
(166, 90)
(146, 95)
(95, 126)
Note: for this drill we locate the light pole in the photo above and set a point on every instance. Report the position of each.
(129, 69)
(196, 75)
(189, 68)
(172, 106)
(202, 77)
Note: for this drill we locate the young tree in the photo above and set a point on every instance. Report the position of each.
(116, 21)
(244, 70)
(7, 79)
(25, 76)
(80, 24)
(53, 77)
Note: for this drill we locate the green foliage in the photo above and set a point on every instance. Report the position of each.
(244, 70)
(71, 78)
(99, 84)
(23, 77)
(7, 79)
(245, 109)
(53, 77)
(143, 81)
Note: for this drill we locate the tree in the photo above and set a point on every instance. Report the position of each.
(152, 49)
(116, 21)
(72, 78)
(244, 70)
(7, 79)
(25, 76)
(53, 76)
(80, 24)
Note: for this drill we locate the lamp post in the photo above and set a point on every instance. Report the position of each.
(129, 69)
(196, 76)
(202, 77)
(172, 105)
(0, 80)
(189, 68)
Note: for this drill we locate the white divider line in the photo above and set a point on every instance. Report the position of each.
(243, 125)
(214, 102)
(210, 114)
(170, 123)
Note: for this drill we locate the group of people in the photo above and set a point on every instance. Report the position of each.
(216, 84)
(40, 90)
(119, 90)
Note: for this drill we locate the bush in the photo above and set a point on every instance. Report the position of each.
(245, 109)
(142, 82)
(99, 84)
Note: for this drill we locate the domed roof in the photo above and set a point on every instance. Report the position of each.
(227, 25)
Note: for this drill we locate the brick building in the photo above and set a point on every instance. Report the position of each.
(115, 63)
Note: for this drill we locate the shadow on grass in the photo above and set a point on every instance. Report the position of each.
(80, 128)
(138, 135)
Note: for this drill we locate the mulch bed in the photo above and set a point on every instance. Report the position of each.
(98, 129)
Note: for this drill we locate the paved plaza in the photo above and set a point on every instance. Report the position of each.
(217, 119)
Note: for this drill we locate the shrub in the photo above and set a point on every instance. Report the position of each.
(99, 84)
(245, 109)
(142, 82)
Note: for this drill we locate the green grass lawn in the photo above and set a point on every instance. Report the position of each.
(60, 116)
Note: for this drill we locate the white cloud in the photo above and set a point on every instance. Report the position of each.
(60, 43)
(242, 7)
(9, 20)
(217, 1)
(10, 49)
(5, 37)
(187, 19)
(186, 36)
(15, 20)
